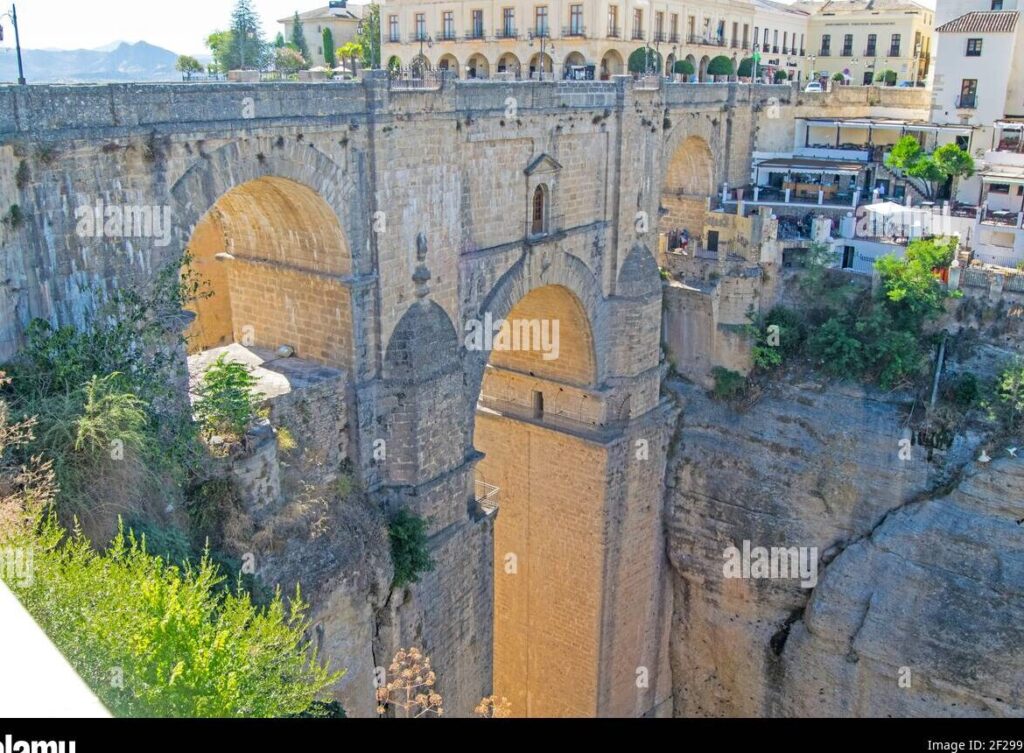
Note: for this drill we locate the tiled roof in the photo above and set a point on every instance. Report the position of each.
(982, 21)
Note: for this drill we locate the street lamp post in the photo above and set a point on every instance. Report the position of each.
(13, 15)
(543, 35)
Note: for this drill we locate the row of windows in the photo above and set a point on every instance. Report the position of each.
(709, 30)
(871, 49)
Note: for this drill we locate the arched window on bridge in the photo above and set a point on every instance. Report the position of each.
(539, 215)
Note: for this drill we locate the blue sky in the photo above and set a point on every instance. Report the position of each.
(178, 25)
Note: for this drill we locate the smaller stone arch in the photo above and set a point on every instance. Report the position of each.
(573, 58)
(541, 62)
(612, 64)
(477, 66)
(509, 63)
(448, 62)
(419, 65)
(670, 63)
(702, 70)
(693, 64)
(422, 346)
(394, 63)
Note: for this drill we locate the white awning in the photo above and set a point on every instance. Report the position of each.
(1015, 178)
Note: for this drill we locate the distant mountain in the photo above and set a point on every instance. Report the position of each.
(123, 62)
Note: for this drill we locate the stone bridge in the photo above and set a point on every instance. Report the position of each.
(372, 228)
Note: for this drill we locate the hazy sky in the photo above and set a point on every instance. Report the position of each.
(179, 25)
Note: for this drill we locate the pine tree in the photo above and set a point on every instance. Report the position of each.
(247, 50)
(299, 37)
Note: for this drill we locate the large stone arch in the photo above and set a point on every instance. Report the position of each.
(266, 236)
(215, 173)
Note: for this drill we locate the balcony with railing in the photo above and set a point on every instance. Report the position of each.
(673, 38)
(419, 36)
(506, 32)
(446, 35)
(477, 34)
(614, 32)
(659, 36)
(574, 30)
(638, 34)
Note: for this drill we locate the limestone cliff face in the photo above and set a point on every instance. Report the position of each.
(914, 586)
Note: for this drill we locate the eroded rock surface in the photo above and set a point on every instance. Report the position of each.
(910, 579)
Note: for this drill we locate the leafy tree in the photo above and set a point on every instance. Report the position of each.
(781, 77)
(188, 65)
(888, 77)
(328, 47)
(746, 68)
(927, 170)
(839, 78)
(644, 59)
(720, 66)
(909, 287)
(298, 39)
(684, 67)
(368, 36)
(219, 44)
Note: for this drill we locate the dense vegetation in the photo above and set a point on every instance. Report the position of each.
(93, 431)
(849, 332)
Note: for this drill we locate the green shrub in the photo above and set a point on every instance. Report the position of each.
(720, 65)
(839, 77)
(781, 77)
(644, 59)
(153, 639)
(1010, 394)
(746, 68)
(836, 349)
(227, 400)
(966, 391)
(683, 67)
(728, 384)
(409, 550)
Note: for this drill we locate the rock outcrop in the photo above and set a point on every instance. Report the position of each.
(917, 608)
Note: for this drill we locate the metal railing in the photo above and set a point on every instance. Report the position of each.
(487, 496)
(638, 34)
(446, 36)
(506, 33)
(614, 32)
(415, 79)
(574, 31)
